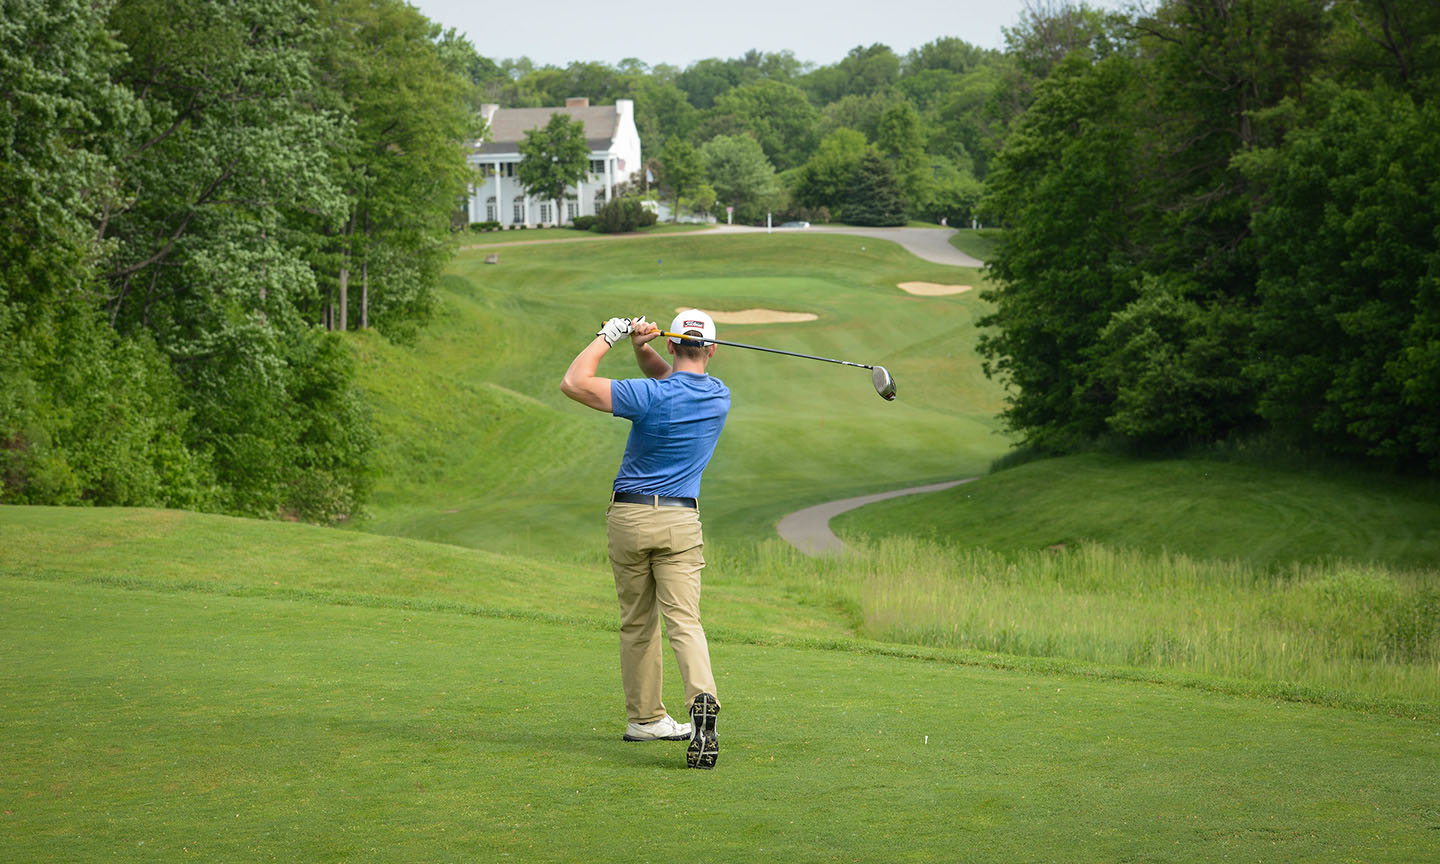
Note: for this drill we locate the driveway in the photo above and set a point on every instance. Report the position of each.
(809, 530)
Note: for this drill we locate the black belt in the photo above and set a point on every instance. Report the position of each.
(654, 500)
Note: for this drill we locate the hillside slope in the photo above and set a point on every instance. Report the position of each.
(481, 449)
(1198, 507)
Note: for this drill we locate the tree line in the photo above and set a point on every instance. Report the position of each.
(196, 196)
(1224, 226)
(768, 133)
(1220, 219)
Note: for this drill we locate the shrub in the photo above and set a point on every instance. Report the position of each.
(484, 226)
(622, 214)
(583, 223)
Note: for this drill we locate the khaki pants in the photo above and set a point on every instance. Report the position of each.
(657, 554)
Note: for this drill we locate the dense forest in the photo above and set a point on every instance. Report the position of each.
(1220, 216)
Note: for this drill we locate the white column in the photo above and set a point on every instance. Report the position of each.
(609, 179)
(499, 205)
(579, 197)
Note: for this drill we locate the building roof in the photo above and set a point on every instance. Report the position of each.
(509, 125)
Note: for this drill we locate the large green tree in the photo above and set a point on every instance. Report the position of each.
(553, 158)
(405, 89)
(901, 136)
(682, 170)
(743, 178)
(875, 198)
(1065, 185)
(775, 114)
(85, 415)
(825, 180)
(1348, 319)
(211, 259)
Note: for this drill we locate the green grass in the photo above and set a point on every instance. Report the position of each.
(1224, 662)
(483, 450)
(977, 243)
(270, 701)
(1333, 633)
(1197, 507)
(531, 235)
(1321, 580)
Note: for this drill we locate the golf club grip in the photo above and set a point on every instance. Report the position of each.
(762, 348)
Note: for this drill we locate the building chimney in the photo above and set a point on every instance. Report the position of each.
(577, 102)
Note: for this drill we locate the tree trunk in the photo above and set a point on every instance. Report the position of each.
(365, 294)
(344, 299)
(365, 278)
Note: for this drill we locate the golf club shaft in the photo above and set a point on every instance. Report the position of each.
(759, 348)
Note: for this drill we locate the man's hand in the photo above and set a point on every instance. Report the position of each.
(642, 331)
(614, 330)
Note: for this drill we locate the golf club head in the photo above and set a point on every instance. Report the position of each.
(884, 384)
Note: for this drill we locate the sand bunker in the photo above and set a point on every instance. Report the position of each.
(756, 316)
(933, 289)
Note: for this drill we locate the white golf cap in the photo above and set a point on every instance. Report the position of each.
(692, 319)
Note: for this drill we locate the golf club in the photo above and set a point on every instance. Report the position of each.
(884, 384)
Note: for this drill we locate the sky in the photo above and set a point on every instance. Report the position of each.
(557, 32)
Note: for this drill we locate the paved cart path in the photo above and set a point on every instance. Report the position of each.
(809, 530)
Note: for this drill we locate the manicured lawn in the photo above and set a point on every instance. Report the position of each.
(1223, 662)
(483, 450)
(979, 243)
(1198, 507)
(144, 724)
(533, 235)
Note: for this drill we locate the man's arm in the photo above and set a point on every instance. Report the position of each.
(580, 382)
(651, 363)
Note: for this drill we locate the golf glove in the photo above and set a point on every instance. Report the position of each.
(614, 330)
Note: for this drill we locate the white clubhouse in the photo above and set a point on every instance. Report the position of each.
(614, 160)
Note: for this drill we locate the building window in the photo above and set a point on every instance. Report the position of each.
(545, 213)
(599, 199)
(486, 169)
(597, 167)
(519, 212)
(507, 169)
(490, 208)
(572, 209)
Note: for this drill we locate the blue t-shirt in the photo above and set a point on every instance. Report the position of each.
(674, 424)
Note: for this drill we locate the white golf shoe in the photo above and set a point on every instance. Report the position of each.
(664, 729)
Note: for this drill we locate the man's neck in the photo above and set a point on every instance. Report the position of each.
(696, 367)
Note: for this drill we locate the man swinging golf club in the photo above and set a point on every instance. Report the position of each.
(653, 522)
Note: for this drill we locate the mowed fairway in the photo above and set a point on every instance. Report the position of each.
(165, 722)
(486, 452)
(185, 686)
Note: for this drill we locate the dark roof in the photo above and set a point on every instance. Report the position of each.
(509, 125)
